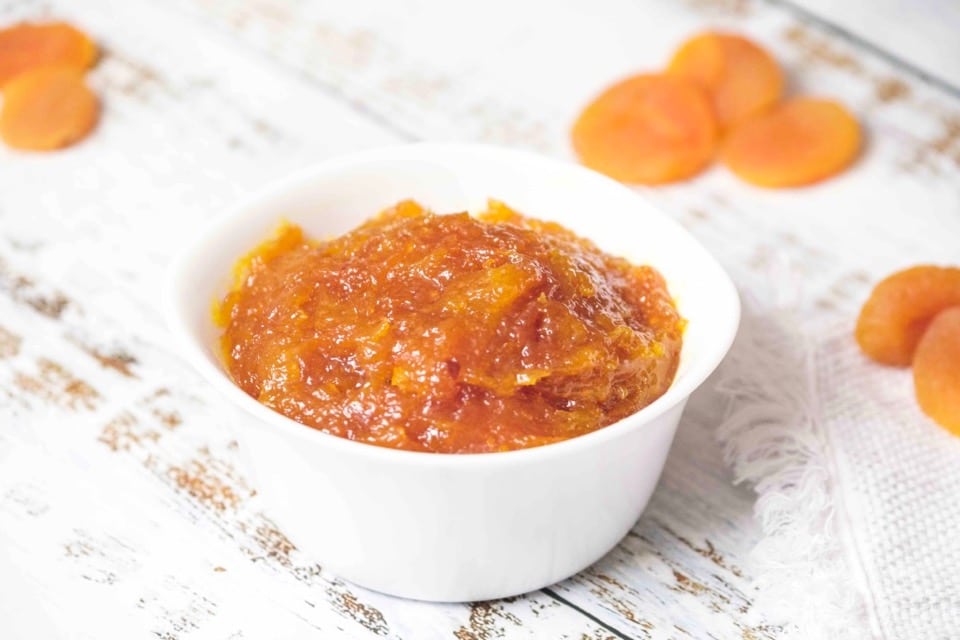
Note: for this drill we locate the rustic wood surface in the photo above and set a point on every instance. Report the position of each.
(126, 508)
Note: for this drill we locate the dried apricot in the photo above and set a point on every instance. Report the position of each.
(897, 313)
(27, 46)
(47, 108)
(936, 370)
(799, 142)
(647, 129)
(741, 78)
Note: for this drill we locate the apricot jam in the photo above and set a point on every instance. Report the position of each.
(449, 333)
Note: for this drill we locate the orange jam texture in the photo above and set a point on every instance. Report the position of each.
(449, 333)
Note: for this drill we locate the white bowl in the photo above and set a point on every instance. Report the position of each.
(449, 527)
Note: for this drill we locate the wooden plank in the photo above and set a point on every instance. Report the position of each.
(512, 81)
(920, 34)
(122, 486)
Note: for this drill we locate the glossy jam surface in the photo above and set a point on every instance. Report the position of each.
(449, 333)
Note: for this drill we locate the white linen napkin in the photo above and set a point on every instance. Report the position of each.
(858, 491)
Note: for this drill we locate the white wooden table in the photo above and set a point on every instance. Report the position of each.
(125, 507)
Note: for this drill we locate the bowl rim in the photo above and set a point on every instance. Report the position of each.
(189, 345)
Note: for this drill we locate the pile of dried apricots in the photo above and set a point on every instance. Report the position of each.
(721, 95)
(913, 318)
(46, 102)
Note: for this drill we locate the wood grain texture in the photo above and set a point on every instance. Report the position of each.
(124, 494)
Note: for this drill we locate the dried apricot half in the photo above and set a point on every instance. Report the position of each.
(801, 141)
(741, 78)
(897, 313)
(47, 108)
(26, 46)
(647, 129)
(936, 370)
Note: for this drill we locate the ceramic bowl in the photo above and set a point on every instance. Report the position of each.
(448, 527)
